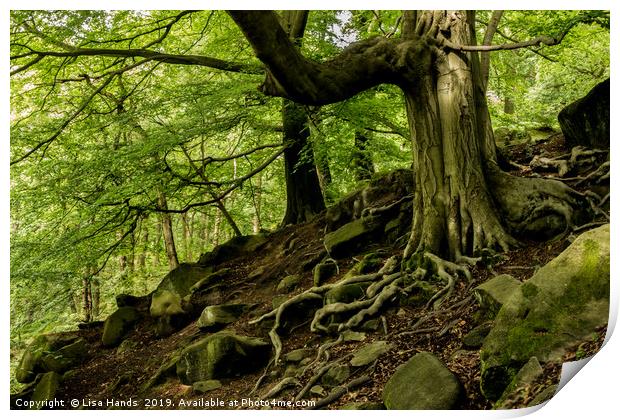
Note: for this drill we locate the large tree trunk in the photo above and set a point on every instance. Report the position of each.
(304, 198)
(463, 202)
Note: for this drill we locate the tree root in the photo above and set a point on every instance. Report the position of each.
(317, 376)
(378, 210)
(447, 271)
(287, 382)
(339, 391)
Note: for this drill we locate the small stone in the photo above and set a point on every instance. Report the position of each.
(318, 390)
(206, 386)
(492, 294)
(369, 353)
(217, 316)
(364, 405)
(423, 383)
(288, 283)
(475, 338)
(297, 355)
(335, 375)
(353, 336)
(324, 271)
(371, 325)
(45, 389)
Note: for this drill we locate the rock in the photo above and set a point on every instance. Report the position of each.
(371, 325)
(47, 351)
(346, 293)
(237, 246)
(324, 271)
(423, 383)
(521, 384)
(165, 302)
(221, 355)
(298, 355)
(209, 280)
(166, 370)
(350, 237)
(318, 391)
(218, 316)
(585, 122)
(138, 302)
(206, 386)
(66, 357)
(288, 283)
(336, 375)
(45, 389)
(475, 338)
(180, 280)
(364, 405)
(369, 263)
(118, 324)
(492, 294)
(349, 335)
(561, 305)
(369, 353)
(126, 345)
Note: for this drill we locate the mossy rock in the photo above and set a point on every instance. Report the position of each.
(297, 355)
(44, 346)
(336, 375)
(126, 345)
(475, 338)
(492, 294)
(369, 353)
(167, 369)
(66, 357)
(369, 263)
(45, 390)
(350, 237)
(180, 280)
(218, 316)
(118, 324)
(165, 302)
(237, 246)
(209, 280)
(221, 355)
(520, 385)
(423, 383)
(563, 304)
(323, 271)
(288, 283)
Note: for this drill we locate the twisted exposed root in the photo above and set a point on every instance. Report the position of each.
(449, 272)
(378, 210)
(339, 391)
(287, 382)
(316, 377)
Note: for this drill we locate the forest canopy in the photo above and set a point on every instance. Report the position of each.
(139, 139)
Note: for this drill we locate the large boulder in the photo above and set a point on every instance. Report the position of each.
(237, 246)
(585, 122)
(180, 280)
(118, 324)
(352, 236)
(564, 303)
(50, 352)
(423, 383)
(218, 316)
(221, 355)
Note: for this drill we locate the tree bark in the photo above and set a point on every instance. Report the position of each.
(485, 57)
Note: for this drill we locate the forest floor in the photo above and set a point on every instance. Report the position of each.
(120, 375)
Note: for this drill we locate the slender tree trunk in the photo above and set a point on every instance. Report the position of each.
(485, 57)
(257, 196)
(87, 308)
(206, 229)
(95, 293)
(363, 166)
(187, 236)
(141, 260)
(166, 225)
